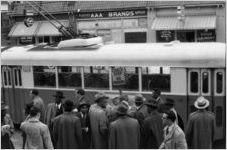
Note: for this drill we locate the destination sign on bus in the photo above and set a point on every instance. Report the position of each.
(118, 75)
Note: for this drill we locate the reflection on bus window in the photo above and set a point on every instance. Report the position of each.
(69, 76)
(130, 77)
(44, 76)
(205, 79)
(194, 82)
(96, 77)
(156, 77)
(219, 82)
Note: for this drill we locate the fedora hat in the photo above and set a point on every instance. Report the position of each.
(201, 103)
(123, 108)
(100, 96)
(152, 103)
(83, 104)
(169, 101)
(59, 94)
(139, 98)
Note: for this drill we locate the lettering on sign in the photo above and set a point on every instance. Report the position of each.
(206, 36)
(119, 76)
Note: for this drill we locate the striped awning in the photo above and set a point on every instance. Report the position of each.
(20, 30)
(189, 23)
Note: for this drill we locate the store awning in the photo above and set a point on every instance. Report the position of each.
(190, 23)
(20, 30)
(47, 29)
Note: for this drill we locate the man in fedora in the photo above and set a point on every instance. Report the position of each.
(201, 126)
(152, 135)
(125, 131)
(99, 122)
(54, 109)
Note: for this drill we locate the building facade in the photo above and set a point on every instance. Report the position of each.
(125, 22)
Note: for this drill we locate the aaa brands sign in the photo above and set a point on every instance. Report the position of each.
(113, 14)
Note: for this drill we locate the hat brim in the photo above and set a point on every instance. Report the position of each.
(201, 107)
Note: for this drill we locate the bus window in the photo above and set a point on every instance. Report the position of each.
(156, 77)
(96, 77)
(205, 82)
(9, 77)
(131, 78)
(15, 77)
(20, 81)
(44, 76)
(219, 82)
(69, 76)
(194, 82)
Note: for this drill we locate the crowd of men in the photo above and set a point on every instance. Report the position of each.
(116, 123)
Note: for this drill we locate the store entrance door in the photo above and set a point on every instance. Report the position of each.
(186, 36)
(135, 37)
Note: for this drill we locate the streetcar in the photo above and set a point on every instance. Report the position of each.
(182, 71)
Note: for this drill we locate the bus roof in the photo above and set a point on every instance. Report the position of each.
(206, 55)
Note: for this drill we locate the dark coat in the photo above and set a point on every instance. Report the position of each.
(86, 130)
(152, 136)
(124, 133)
(67, 131)
(200, 130)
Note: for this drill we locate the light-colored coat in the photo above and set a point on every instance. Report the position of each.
(99, 127)
(200, 130)
(124, 133)
(175, 139)
(67, 132)
(38, 102)
(37, 134)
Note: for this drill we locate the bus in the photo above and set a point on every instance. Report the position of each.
(182, 71)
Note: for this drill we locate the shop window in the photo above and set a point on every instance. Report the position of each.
(219, 82)
(44, 76)
(156, 77)
(96, 77)
(26, 40)
(194, 84)
(206, 36)
(186, 36)
(165, 36)
(219, 116)
(56, 39)
(205, 82)
(135, 37)
(69, 76)
(129, 75)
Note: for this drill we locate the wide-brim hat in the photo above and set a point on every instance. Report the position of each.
(139, 98)
(100, 96)
(123, 108)
(169, 101)
(152, 103)
(201, 103)
(59, 94)
(83, 104)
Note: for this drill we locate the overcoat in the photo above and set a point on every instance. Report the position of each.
(152, 136)
(99, 127)
(200, 129)
(124, 133)
(67, 131)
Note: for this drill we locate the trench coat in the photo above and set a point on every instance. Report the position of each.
(37, 134)
(200, 129)
(67, 131)
(38, 102)
(152, 136)
(124, 133)
(99, 127)
(174, 139)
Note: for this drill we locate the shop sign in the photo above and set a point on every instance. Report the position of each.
(206, 36)
(165, 36)
(118, 75)
(113, 14)
(26, 40)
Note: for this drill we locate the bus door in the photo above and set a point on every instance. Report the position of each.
(210, 84)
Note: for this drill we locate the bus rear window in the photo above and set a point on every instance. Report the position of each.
(194, 84)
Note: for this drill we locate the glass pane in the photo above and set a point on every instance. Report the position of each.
(205, 79)
(96, 77)
(153, 77)
(20, 82)
(219, 82)
(194, 82)
(44, 76)
(9, 77)
(219, 116)
(69, 77)
(129, 78)
(15, 77)
(5, 78)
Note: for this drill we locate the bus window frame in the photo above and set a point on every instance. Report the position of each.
(16, 76)
(189, 82)
(209, 82)
(223, 82)
(8, 72)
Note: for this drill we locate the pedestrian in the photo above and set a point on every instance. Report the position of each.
(200, 130)
(152, 136)
(67, 132)
(38, 102)
(125, 131)
(169, 105)
(112, 109)
(174, 137)
(156, 94)
(83, 109)
(99, 122)
(54, 109)
(7, 128)
(79, 97)
(37, 133)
